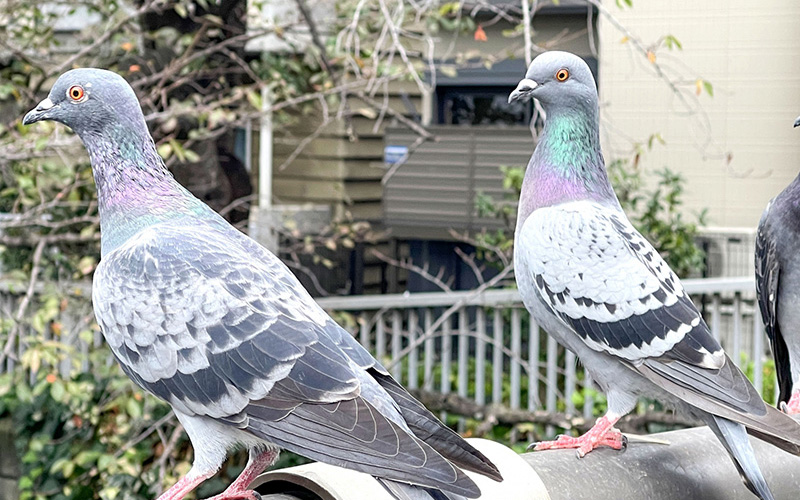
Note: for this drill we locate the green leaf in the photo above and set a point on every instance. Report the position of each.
(191, 156)
(180, 9)
(254, 98)
(448, 70)
(672, 42)
(708, 88)
(449, 8)
(105, 461)
(134, 408)
(165, 150)
(57, 391)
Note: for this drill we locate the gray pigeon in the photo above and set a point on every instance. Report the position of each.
(599, 288)
(777, 285)
(203, 317)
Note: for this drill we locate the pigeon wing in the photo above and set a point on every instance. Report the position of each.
(767, 280)
(218, 327)
(597, 274)
(209, 328)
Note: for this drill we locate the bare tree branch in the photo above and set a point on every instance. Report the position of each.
(11, 341)
(422, 271)
(431, 332)
(492, 415)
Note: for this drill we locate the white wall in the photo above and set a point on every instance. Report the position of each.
(749, 51)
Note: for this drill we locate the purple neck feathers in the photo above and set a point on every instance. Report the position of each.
(567, 165)
(134, 188)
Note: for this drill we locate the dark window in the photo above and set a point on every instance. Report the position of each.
(478, 105)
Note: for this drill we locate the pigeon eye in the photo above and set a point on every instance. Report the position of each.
(562, 75)
(76, 93)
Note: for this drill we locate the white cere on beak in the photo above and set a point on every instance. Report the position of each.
(45, 105)
(524, 87)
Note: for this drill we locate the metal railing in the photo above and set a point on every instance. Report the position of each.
(481, 345)
(489, 349)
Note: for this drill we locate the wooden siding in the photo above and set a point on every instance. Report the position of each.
(437, 186)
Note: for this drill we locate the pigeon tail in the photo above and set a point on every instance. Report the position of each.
(761, 420)
(776, 428)
(440, 437)
(733, 437)
(373, 444)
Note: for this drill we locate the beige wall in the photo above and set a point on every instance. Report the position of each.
(749, 51)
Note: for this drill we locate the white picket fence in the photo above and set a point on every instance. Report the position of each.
(483, 346)
(490, 350)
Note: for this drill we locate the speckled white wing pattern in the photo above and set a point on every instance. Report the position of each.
(209, 328)
(596, 273)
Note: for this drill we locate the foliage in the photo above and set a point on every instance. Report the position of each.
(83, 430)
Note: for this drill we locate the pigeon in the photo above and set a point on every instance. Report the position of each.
(777, 282)
(205, 318)
(591, 280)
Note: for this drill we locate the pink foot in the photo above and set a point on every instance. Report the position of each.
(601, 434)
(793, 406)
(259, 460)
(183, 486)
(237, 495)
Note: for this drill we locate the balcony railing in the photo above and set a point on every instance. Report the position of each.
(484, 346)
(481, 345)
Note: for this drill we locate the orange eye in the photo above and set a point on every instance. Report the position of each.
(75, 93)
(562, 75)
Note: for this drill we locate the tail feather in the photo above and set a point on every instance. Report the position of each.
(778, 429)
(355, 435)
(431, 430)
(733, 437)
(694, 386)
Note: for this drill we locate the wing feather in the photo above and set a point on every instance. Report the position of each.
(218, 327)
(767, 283)
(613, 288)
(645, 319)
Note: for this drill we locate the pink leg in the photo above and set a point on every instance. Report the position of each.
(601, 434)
(258, 461)
(186, 484)
(793, 406)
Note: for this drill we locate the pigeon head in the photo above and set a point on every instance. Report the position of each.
(134, 187)
(557, 80)
(92, 102)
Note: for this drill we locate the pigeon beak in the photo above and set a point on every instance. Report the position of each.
(797, 122)
(523, 90)
(38, 113)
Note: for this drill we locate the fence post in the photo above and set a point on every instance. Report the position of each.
(413, 356)
(533, 365)
(758, 352)
(516, 357)
(480, 356)
(397, 342)
(497, 357)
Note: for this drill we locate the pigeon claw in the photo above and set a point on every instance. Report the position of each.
(602, 434)
(793, 406)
